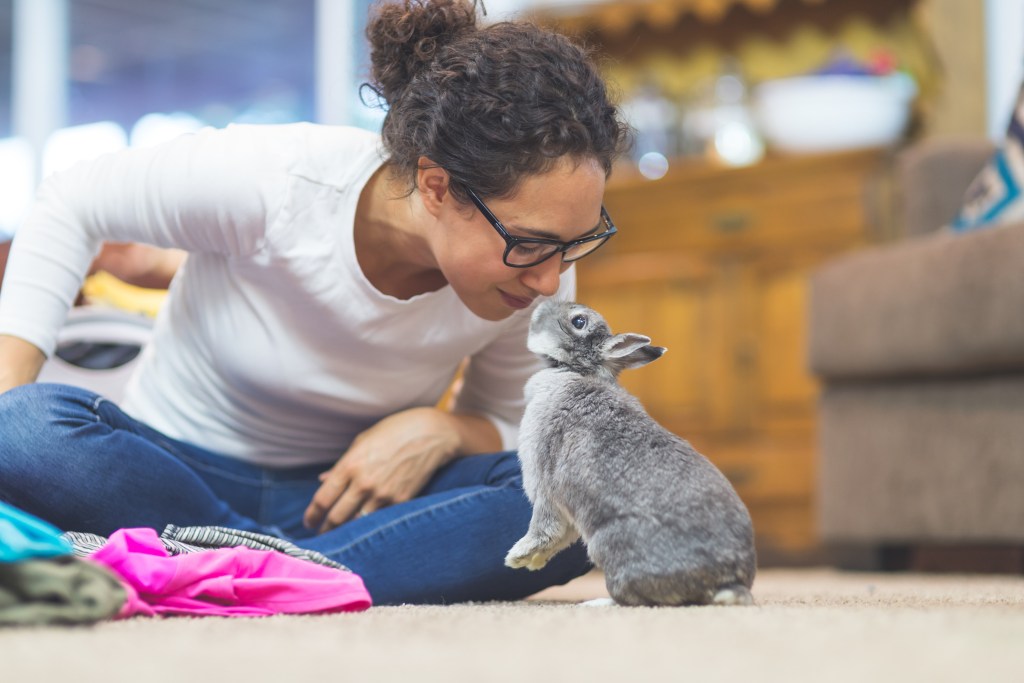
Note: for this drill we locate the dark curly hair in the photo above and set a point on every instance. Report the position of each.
(491, 104)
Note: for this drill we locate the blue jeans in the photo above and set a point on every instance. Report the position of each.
(76, 460)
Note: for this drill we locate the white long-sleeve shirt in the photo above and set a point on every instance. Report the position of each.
(272, 346)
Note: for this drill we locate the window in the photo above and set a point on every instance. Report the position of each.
(216, 60)
(6, 19)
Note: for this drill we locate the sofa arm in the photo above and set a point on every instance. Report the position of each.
(934, 176)
(940, 304)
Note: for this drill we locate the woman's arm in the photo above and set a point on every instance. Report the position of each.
(136, 264)
(20, 362)
(214, 191)
(474, 433)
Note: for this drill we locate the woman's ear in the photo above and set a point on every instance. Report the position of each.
(432, 185)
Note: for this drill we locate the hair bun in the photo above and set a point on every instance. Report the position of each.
(405, 36)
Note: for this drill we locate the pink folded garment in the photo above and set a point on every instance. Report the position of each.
(224, 582)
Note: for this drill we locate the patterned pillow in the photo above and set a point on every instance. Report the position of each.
(997, 194)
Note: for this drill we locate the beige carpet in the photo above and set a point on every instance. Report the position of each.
(809, 625)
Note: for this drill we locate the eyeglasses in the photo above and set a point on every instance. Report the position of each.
(524, 252)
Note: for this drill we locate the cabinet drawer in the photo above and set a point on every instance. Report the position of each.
(815, 202)
(764, 470)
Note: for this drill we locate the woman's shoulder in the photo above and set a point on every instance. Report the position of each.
(318, 135)
(332, 155)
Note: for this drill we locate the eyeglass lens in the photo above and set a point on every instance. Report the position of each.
(530, 253)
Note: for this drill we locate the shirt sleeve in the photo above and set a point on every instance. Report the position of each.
(212, 191)
(494, 378)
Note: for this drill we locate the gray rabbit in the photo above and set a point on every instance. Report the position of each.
(662, 522)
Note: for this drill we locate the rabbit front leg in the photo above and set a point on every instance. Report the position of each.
(550, 532)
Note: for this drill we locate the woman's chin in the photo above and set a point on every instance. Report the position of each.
(492, 309)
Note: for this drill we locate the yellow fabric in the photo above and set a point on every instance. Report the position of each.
(103, 289)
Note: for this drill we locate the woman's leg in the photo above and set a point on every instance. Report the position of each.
(77, 461)
(449, 544)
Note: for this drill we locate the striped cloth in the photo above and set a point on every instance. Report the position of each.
(193, 539)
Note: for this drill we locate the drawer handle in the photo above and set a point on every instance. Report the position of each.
(731, 222)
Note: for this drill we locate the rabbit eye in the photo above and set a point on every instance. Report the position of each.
(579, 322)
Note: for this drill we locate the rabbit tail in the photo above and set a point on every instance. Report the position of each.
(733, 594)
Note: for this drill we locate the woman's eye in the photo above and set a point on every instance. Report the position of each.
(579, 322)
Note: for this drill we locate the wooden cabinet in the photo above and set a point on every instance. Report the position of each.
(713, 264)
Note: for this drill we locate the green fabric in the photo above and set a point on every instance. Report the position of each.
(62, 590)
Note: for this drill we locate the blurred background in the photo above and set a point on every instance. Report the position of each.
(766, 133)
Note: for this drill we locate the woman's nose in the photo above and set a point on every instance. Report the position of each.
(543, 278)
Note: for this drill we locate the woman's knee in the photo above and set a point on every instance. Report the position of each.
(46, 393)
(35, 420)
(26, 440)
(28, 409)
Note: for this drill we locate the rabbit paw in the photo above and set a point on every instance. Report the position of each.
(527, 554)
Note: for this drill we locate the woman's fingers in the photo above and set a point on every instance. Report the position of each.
(347, 507)
(333, 485)
(387, 464)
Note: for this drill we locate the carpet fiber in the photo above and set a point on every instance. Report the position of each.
(809, 625)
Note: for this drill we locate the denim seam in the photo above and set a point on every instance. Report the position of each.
(389, 525)
(96, 407)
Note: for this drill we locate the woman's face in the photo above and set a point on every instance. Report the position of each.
(563, 204)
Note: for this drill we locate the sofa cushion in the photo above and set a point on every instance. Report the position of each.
(997, 194)
(939, 461)
(939, 304)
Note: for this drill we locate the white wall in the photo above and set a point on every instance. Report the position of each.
(1004, 61)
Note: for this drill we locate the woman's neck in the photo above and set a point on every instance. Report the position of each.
(391, 249)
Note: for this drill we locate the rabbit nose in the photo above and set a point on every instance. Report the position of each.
(544, 278)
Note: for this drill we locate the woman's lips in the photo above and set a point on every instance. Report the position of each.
(515, 301)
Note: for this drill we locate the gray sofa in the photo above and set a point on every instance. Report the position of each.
(919, 346)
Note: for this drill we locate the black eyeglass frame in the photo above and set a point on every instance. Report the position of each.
(511, 241)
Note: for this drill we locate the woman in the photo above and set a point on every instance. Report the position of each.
(335, 281)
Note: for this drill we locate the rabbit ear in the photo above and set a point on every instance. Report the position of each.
(630, 350)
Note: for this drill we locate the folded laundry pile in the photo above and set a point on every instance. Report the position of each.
(46, 577)
(42, 583)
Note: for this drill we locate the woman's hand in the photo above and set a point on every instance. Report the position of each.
(387, 464)
(139, 264)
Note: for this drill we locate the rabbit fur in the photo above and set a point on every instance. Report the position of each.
(662, 522)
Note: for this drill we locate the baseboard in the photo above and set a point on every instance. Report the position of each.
(967, 558)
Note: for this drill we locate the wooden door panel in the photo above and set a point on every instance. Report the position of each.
(674, 304)
(783, 377)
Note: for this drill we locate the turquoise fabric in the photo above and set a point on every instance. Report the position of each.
(996, 196)
(24, 537)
